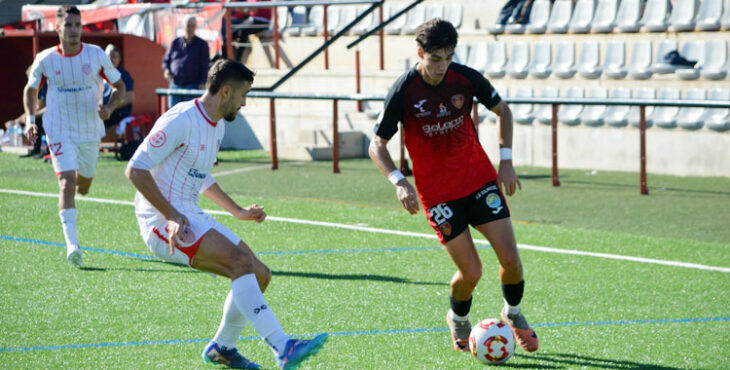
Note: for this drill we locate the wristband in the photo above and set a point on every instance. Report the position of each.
(395, 176)
(505, 154)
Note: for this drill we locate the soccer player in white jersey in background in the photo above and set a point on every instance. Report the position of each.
(170, 169)
(74, 116)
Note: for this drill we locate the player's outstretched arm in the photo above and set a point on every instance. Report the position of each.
(406, 193)
(506, 177)
(218, 196)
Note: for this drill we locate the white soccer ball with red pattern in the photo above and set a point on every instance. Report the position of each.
(491, 342)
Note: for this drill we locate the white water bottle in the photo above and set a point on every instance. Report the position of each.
(14, 134)
(19, 134)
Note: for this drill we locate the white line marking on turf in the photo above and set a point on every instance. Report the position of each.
(239, 170)
(409, 233)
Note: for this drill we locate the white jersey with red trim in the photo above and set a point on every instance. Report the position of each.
(181, 148)
(75, 90)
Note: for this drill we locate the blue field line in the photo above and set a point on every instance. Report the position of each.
(355, 333)
(54, 244)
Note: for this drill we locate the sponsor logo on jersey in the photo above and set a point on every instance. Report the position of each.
(86, 68)
(443, 127)
(72, 89)
(494, 202)
(158, 139)
(443, 112)
(458, 101)
(197, 174)
(422, 112)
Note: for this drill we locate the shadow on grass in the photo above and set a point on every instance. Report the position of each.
(371, 277)
(177, 268)
(573, 361)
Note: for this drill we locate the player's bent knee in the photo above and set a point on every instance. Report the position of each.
(472, 277)
(512, 263)
(241, 263)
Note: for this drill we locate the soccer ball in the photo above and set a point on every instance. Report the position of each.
(491, 342)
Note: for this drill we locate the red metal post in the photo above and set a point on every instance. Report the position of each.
(335, 140)
(229, 33)
(643, 189)
(326, 37)
(381, 35)
(276, 37)
(161, 104)
(35, 42)
(554, 125)
(272, 135)
(475, 118)
(357, 78)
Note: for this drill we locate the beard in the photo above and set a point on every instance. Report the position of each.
(231, 116)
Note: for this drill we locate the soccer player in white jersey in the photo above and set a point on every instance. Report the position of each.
(74, 116)
(170, 169)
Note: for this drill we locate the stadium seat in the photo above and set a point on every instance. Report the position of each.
(347, 15)
(569, 114)
(334, 18)
(560, 16)
(718, 119)
(478, 56)
(691, 118)
(497, 59)
(454, 13)
(416, 17)
(461, 53)
(589, 60)
(642, 93)
(519, 57)
(435, 11)
(366, 23)
(282, 18)
(666, 117)
(396, 26)
(582, 16)
(496, 29)
(614, 63)
(683, 15)
(605, 17)
(564, 65)
(544, 112)
(627, 18)
(541, 60)
(640, 60)
(725, 20)
(660, 66)
(655, 15)
(315, 25)
(708, 17)
(298, 21)
(716, 60)
(522, 113)
(617, 115)
(593, 115)
(694, 51)
(539, 16)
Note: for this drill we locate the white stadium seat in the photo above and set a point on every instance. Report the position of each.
(366, 23)
(718, 119)
(617, 115)
(708, 17)
(725, 20)
(348, 14)
(435, 11)
(461, 53)
(478, 56)
(691, 118)
(496, 59)
(539, 15)
(593, 115)
(666, 117)
(714, 65)
(569, 114)
(695, 51)
(315, 25)
(519, 57)
(582, 16)
(660, 66)
(605, 17)
(544, 112)
(640, 60)
(627, 19)
(334, 18)
(396, 26)
(282, 18)
(564, 66)
(642, 93)
(589, 60)
(683, 15)
(522, 113)
(454, 13)
(541, 60)
(614, 63)
(655, 15)
(416, 17)
(560, 16)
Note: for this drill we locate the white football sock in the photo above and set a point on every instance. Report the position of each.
(250, 301)
(68, 221)
(456, 317)
(511, 310)
(232, 323)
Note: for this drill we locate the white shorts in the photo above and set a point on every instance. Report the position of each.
(69, 154)
(154, 232)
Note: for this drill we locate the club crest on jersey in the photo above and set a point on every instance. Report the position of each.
(445, 228)
(86, 68)
(458, 101)
(443, 111)
(158, 139)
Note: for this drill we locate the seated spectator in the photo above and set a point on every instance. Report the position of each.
(125, 108)
(254, 21)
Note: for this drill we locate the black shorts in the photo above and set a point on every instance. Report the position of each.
(451, 218)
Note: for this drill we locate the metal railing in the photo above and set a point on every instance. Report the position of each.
(554, 102)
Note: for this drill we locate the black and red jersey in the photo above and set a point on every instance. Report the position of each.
(448, 161)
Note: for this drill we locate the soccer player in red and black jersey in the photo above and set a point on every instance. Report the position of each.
(457, 184)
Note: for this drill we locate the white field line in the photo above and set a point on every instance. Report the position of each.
(239, 170)
(409, 233)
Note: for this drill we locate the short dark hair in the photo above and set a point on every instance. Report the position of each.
(226, 70)
(67, 9)
(436, 34)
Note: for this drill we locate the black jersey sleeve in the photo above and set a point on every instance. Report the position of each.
(392, 113)
(483, 89)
